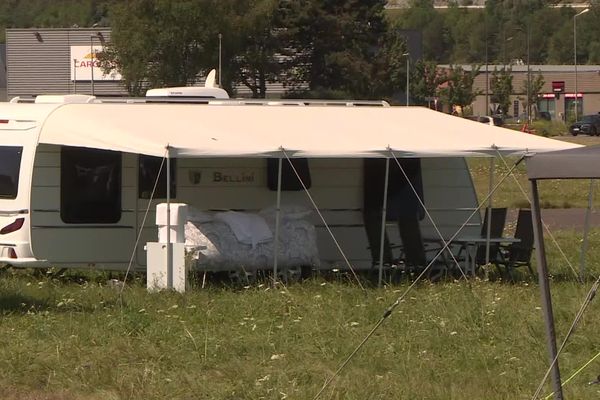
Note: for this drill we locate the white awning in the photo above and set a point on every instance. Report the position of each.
(262, 131)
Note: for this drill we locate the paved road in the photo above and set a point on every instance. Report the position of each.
(563, 218)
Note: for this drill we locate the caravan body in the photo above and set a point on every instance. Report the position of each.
(79, 176)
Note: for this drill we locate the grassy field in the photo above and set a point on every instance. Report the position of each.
(553, 193)
(72, 336)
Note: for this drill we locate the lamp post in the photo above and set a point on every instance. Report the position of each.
(527, 32)
(528, 77)
(92, 63)
(220, 37)
(575, 58)
(487, 72)
(407, 55)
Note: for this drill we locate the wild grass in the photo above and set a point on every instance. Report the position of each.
(553, 193)
(72, 336)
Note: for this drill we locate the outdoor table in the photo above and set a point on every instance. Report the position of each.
(470, 243)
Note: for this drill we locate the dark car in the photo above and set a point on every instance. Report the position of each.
(588, 124)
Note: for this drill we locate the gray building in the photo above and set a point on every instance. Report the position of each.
(57, 61)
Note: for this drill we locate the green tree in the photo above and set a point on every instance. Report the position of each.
(335, 46)
(459, 86)
(532, 88)
(425, 80)
(258, 46)
(163, 43)
(501, 87)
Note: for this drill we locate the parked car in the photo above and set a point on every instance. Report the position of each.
(495, 121)
(588, 124)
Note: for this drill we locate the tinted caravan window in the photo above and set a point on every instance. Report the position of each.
(10, 165)
(90, 186)
(148, 171)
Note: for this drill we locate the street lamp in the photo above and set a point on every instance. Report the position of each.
(487, 72)
(575, 57)
(407, 80)
(528, 78)
(92, 63)
(527, 32)
(220, 37)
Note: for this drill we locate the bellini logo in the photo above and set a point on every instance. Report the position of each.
(240, 177)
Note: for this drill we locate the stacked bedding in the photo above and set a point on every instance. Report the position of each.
(226, 240)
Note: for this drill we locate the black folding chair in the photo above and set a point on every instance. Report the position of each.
(518, 254)
(498, 218)
(414, 252)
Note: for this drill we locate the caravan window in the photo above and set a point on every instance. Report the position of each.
(148, 171)
(9, 171)
(90, 186)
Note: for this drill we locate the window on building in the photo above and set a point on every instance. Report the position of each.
(149, 168)
(9, 171)
(90, 186)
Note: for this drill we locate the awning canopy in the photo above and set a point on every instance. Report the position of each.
(579, 163)
(263, 131)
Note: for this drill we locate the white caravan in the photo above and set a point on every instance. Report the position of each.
(76, 176)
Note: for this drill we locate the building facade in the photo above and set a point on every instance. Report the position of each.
(53, 61)
(562, 86)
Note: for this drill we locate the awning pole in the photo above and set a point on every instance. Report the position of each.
(545, 288)
(586, 231)
(383, 220)
(489, 211)
(277, 218)
(169, 248)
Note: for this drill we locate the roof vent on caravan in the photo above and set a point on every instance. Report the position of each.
(55, 99)
(69, 98)
(188, 93)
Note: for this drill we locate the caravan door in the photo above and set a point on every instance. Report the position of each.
(82, 207)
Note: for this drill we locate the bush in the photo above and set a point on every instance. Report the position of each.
(549, 128)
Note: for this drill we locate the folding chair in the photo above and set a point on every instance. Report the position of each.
(519, 254)
(498, 220)
(414, 251)
(496, 231)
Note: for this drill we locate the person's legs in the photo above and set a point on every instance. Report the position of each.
(372, 220)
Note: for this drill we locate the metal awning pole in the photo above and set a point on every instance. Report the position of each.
(277, 218)
(383, 220)
(586, 231)
(540, 253)
(489, 211)
(169, 248)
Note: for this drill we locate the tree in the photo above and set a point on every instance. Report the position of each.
(163, 43)
(459, 86)
(258, 46)
(425, 80)
(532, 93)
(334, 45)
(502, 87)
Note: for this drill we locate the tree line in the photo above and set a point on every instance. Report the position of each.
(316, 48)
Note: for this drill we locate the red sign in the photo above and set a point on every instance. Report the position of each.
(558, 86)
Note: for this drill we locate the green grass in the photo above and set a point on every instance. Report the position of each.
(553, 193)
(73, 337)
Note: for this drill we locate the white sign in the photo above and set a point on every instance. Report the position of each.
(85, 65)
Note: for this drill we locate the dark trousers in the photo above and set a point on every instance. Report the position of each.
(372, 220)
